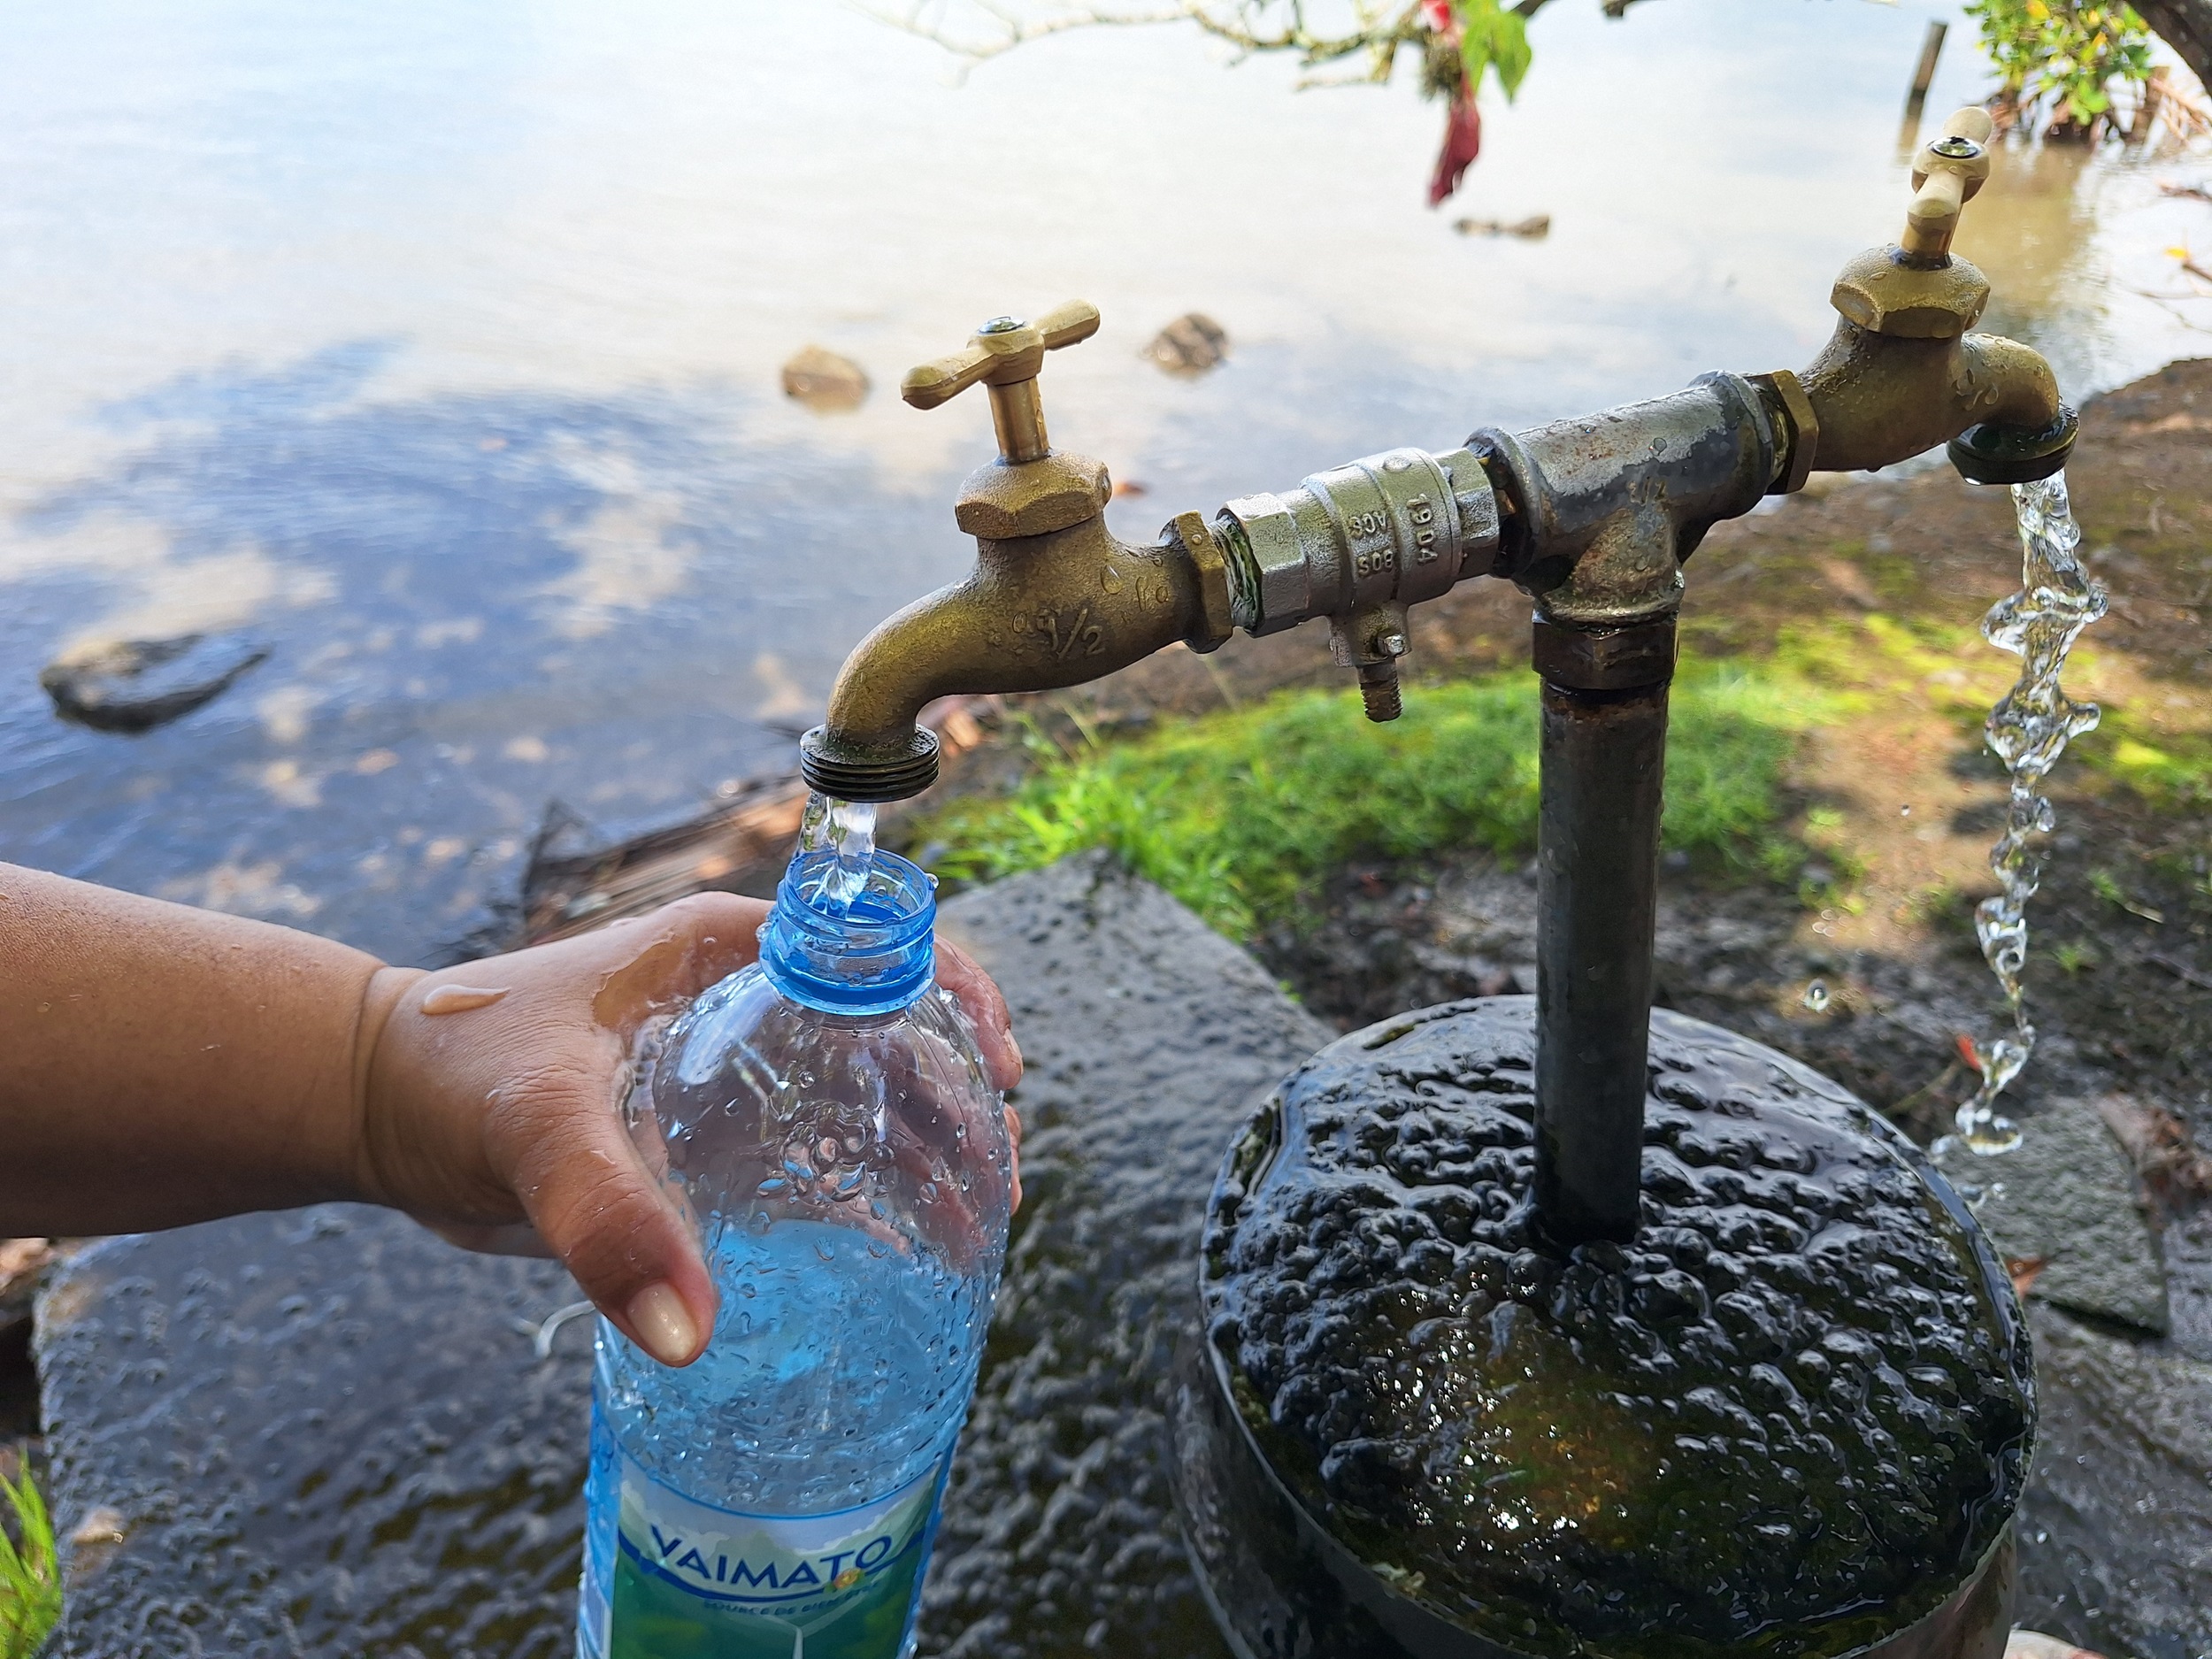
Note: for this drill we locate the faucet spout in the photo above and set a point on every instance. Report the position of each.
(1037, 613)
(1879, 398)
(1056, 598)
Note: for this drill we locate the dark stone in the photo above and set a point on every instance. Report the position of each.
(1191, 344)
(324, 1435)
(135, 685)
(1148, 1036)
(2062, 1206)
(2115, 1528)
(1795, 1411)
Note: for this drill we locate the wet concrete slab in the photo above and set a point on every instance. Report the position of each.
(2115, 1528)
(1147, 1035)
(326, 1432)
(317, 1433)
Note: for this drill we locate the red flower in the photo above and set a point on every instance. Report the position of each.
(1463, 142)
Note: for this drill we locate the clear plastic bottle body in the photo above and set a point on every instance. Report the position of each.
(849, 1175)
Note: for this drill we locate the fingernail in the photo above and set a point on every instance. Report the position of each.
(662, 1324)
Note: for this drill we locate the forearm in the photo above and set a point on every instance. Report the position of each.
(160, 1064)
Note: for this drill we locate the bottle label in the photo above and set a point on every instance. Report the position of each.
(703, 1583)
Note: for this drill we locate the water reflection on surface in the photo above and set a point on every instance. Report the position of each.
(439, 350)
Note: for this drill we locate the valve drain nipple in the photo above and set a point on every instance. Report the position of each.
(1378, 691)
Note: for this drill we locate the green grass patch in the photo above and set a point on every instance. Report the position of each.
(1241, 814)
(30, 1576)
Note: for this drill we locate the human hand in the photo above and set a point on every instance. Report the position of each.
(491, 1096)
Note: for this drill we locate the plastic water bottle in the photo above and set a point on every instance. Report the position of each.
(827, 1119)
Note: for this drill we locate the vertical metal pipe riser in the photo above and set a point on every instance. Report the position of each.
(1604, 763)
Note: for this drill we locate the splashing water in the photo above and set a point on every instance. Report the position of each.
(849, 828)
(2028, 730)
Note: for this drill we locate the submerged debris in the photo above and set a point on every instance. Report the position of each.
(135, 685)
(821, 380)
(1535, 228)
(1191, 344)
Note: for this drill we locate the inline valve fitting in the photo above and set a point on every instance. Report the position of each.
(1357, 544)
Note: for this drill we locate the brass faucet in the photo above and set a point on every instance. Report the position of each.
(1901, 373)
(1056, 598)
(1592, 517)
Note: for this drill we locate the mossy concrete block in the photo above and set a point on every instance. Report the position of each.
(2066, 1198)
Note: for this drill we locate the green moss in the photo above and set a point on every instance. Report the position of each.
(1866, 662)
(1242, 814)
(2171, 771)
(30, 1580)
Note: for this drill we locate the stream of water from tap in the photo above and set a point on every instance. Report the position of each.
(2028, 730)
(849, 828)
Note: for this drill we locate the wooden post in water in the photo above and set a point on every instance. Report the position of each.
(1923, 77)
(2146, 113)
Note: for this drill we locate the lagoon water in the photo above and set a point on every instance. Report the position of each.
(438, 348)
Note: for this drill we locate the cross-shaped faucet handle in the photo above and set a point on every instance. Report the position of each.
(1006, 355)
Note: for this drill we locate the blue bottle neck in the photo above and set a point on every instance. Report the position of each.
(877, 955)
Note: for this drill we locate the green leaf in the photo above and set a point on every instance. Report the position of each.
(1490, 37)
(1474, 55)
(1510, 51)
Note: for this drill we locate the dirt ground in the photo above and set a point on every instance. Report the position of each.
(1877, 988)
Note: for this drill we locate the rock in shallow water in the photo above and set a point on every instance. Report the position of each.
(1191, 344)
(822, 380)
(135, 685)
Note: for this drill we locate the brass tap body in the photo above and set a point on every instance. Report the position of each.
(1056, 599)
(1901, 373)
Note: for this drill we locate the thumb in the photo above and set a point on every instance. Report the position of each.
(629, 1240)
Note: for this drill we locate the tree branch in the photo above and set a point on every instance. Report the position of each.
(2186, 27)
(1378, 28)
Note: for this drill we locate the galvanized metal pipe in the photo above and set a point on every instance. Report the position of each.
(1604, 761)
